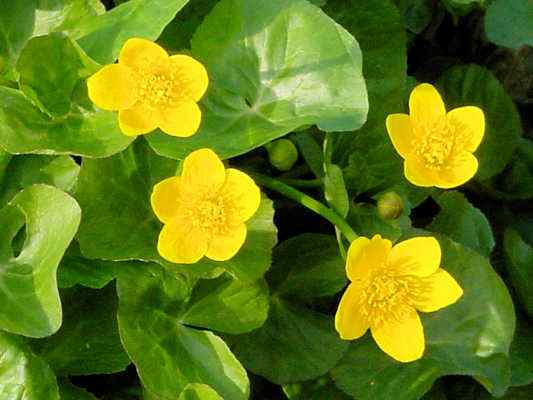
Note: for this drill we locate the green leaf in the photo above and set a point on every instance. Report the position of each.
(519, 264)
(320, 389)
(228, 305)
(75, 269)
(335, 190)
(199, 391)
(167, 354)
(103, 36)
(463, 223)
(274, 66)
(307, 266)
(310, 151)
(367, 155)
(16, 27)
(470, 337)
(50, 82)
(24, 171)
(294, 344)
(28, 293)
(476, 86)
(61, 15)
(23, 375)
(364, 218)
(127, 228)
(84, 131)
(88, 341)
(417, 14)
(70, 392)
(509, 23)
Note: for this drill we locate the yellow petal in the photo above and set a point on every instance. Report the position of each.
(461, 170)
(365, 255)
(194, 74)
(112, 88)
(181, 121)
(182, 243)
(203, 173)
(224, 247)
(416, 173)
(471, 121)
(404, 341)
(242, 193)
(401, 133)
(425, 104)
(137, 120)
(138, 53)
(440, 291)
(164, 198)
(349, 320)
(419, 256)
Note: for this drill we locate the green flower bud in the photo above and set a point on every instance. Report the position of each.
(390, 206)
(282, 154)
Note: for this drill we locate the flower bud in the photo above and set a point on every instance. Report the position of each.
(390, 206)
(282, 154)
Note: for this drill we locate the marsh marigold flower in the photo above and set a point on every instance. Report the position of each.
(204, 210)
(151, 89)
(388, 286)
(437, 146)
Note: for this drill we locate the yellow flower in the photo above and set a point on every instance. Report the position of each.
(204, 210)
(388, 286)
(151, 89)
(437, 146)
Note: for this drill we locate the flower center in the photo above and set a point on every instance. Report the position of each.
(213, 215)
(387, 297)
(436, 142)
(162, 85)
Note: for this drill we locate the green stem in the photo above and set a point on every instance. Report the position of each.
(308, 202)
(305, 183)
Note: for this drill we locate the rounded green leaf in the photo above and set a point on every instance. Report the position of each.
(273, 66)
(473, 85)
(519, 265)
(470, 337)
(509, 23)
(23, 375)
(167, 354)
(28, 287)
(227, 305)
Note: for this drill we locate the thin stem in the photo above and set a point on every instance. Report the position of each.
(305, 183)
(308, 202)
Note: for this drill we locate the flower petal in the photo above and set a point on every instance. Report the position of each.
(462, 169)
(182, 243)
(203, 173)
(112, 88)
(364, 255)
(242, 193)
(137, 53)
(472, 120)
(404, 341)
(401, 133)
(181, 121)
(441, 291)
(425, 104)
(224, 247)
(137, 120)
(419, 256)
(349, 320)
(416, 173)
(194, 74)
(164, 198)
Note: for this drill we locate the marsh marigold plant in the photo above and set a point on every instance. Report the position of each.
(151, 89)
(437, 146)
(388, 285)
(204, 210)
